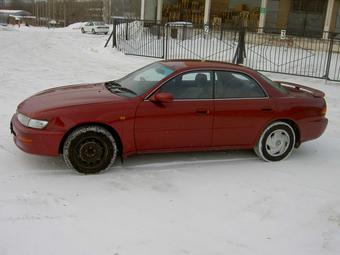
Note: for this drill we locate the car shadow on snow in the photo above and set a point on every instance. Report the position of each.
(170, 161)
(145, 162)
(164, 161)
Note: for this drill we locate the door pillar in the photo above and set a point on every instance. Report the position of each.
(328, 19)
(263, 12)
(207, 8)
(159, 10)
(142, 9)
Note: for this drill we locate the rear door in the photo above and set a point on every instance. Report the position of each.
(184, 123)
(241, 109)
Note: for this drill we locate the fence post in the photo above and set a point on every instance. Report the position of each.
(158, 28)
(221, 32)
(330, 54)
(114, 34)
(241, 49)
(166, 31)
(127, 30)
(158, 31)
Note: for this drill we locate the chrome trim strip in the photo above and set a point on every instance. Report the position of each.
(222, 99)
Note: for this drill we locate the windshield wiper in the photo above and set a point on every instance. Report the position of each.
(113, 84)
(116, 87)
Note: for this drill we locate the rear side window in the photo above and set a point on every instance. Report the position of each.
(274, 84)
(236, 85)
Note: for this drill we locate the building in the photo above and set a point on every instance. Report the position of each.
(300, 17)
(126, 8)
(14, 16)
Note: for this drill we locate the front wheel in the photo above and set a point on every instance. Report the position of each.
(93, 31)
(276, 142)
(90, 149)
(83, 30)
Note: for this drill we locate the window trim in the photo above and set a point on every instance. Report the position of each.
(213, 70)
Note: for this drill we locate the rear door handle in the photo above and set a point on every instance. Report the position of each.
(202, 111)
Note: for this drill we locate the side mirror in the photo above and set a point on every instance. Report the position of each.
(162, 98)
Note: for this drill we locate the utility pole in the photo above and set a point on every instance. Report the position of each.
(53, 9)
(64, 7)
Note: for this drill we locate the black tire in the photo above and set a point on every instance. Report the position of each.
(90, 149)
(276, 142)
(106, 33)
(82, 30)
(93, 31)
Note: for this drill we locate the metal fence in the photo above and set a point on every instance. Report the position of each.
(273, 52)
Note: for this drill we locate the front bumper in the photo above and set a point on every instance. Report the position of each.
(35, 141)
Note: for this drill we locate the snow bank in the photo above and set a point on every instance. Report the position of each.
(77, 25)
(6, 28)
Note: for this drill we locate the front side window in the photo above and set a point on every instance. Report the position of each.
(192, 85)
(236, 85)
(145, 78)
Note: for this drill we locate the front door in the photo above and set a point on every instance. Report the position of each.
(184, 123)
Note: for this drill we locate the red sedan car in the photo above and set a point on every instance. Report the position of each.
(168, 106)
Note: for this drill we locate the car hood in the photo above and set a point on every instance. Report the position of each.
(67, 96)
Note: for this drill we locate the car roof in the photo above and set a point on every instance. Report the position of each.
(187, 64)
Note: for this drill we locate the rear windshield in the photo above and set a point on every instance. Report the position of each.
(274, 84)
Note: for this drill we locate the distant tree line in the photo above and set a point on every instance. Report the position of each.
(64, 12)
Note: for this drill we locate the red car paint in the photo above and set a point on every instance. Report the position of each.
(187, 125)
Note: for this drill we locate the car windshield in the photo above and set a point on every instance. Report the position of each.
(99, 23)
(143, 79)
(274, 84)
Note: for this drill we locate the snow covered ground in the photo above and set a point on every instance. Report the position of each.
(193, 203)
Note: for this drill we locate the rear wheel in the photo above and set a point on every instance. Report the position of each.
(93, 31)
(90, 149)
(276, 142)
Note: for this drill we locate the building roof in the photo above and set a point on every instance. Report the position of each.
(15, 12)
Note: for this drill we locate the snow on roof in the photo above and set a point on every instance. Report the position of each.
(18, 17)
(15, 12)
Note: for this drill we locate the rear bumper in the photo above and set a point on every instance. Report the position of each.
(34, 141)
(101, 30)
(312, 128)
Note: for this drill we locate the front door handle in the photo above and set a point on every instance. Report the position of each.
(202, 111)
(268, 109)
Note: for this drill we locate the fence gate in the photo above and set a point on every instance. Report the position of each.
(280, 53)
(184, 41)
(137, 37)
(286, 54)
(334, 61)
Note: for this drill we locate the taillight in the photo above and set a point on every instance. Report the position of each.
(324, 109)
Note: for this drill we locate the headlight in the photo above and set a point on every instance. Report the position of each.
(32, 123)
